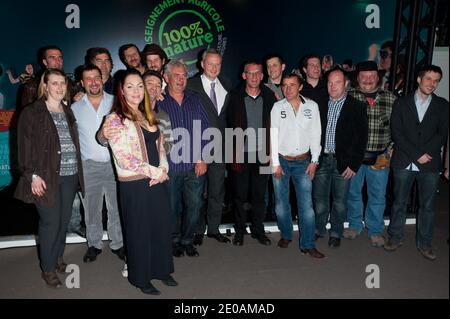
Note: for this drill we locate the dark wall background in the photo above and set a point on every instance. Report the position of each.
(253, 28)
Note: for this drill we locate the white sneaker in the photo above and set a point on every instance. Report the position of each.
(125, 270)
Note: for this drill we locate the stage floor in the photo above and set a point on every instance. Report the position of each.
(224, 271)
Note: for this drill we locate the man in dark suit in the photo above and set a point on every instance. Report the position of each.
(213, 93)
(344, 140)
(419, 126)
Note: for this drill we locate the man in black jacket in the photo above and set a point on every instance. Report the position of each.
(249, 110)
(344, 140)
(49, 57)
(314, 87)
(213, 93)
(419, 126)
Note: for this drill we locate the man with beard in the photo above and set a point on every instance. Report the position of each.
(97, 166)
(130, 56)
(378, 103)
(155, 58)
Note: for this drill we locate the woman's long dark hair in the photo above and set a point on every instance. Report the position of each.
(121, 106)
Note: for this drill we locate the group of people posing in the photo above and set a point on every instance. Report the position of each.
(115, 139)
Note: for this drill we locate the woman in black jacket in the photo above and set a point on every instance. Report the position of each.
(50, 165)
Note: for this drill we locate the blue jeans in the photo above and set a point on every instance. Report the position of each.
(328, 181)
(376, 203)
(427, 186)
(303, 189)
(186, 191)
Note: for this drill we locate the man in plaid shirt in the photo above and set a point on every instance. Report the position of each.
(379, 108)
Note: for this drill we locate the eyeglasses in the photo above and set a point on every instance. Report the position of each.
(384, 54)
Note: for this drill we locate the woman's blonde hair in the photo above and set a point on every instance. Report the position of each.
(42, 92)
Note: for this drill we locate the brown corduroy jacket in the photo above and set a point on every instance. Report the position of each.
(40, 152)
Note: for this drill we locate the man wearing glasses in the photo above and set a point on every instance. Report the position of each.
(384, 61)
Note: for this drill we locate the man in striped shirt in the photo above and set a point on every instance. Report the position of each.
(187, 168)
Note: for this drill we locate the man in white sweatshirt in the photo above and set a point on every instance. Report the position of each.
(295, 149)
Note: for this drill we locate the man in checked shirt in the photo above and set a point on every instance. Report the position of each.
(379, 108)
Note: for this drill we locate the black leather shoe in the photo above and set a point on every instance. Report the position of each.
(119, 252)
(170, 282)
(91, 254)
(334, 242)
(177, 250)
(238, 239)
(198, 240)
(191, 251)
(219, 237)
(150, 290)
(263, 240)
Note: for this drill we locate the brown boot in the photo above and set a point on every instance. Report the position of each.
(51, 279)
(61, 266)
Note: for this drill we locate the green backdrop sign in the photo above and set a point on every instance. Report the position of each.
(183, 28)
(239, 29)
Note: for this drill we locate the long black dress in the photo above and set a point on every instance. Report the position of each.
(146, 217)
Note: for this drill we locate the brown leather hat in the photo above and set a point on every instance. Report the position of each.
(153, 48)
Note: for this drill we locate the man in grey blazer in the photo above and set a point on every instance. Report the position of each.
(419, 126)
(213, 92)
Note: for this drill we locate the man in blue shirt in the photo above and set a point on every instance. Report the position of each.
(97, 166)
(187, 167)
